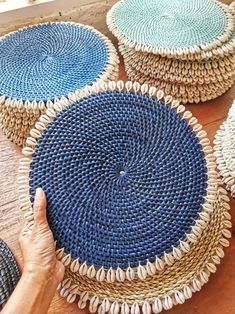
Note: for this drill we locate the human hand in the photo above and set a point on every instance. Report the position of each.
(37, 243)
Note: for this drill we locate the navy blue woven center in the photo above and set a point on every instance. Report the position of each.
(125, 178)
(48, 61)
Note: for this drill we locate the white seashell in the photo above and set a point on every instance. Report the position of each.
(168, 99)
(51, 113)
(187, 115)
(211, 267)
(120, 85)
(83, 269)
(31, 141)
(74, 267)
(169, 259)
(141, 272)
(177, 253)
(175, 103)
(167, 303)
(187, 292)
(58, 107)
(71, 298)
(111, 275)
(152, 91)
(114, 309)
(81, 304)
(185, 247)
(135, 309)
(151, 269)
(130, 274)
(120, 274)
(60, 253)
(49, 104)
(179, 297)
(72, 97)
(224, 242)
(91, 272)
(226, 233)
(40, 126)
(216, 259)
(100, 275)
(74, 289)
(196, 285)
(66, 283)
(28, 151)
(84, 296)
(64, 293)
(146, 308)
(160, 94)
(180, 109)
(44, 119)
(144, 88)
(125, 308)
(35, 133)
(128, 85)
(197, 230)
(205, 216)
(94, 302)
(111, 85)
(105, 305)
(220, 252)
(136, 86)
(159, 264)
(66, 260)
(204, 277)
(157, 306)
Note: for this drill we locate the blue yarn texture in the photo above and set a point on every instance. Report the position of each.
(125, 177)
(48, 61)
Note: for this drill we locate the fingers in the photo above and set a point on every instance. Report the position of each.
(39, 207)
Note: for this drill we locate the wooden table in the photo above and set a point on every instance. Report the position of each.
(216, 297)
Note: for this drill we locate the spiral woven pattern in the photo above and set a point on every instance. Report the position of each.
(50, 60)
(125, 178)
(9, 273)
(184, 23)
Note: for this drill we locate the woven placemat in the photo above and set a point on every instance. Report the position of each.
(225, 150)
(171, 28)
(46, 62)
(9, 273)
(140, 173)
(180, 71)
(185, 93)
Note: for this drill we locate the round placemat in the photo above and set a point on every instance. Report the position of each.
(46, 62)
(185, 93)
(173, 285)
(128, 180)
(180, 71)
(188, 26)
(9, 273)
(225, 150)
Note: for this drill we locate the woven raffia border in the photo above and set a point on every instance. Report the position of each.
(18, 117)
(180, 71)
(168, 259)
(219, 47)
(225, 150)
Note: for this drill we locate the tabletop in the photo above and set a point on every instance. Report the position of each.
(216, 297)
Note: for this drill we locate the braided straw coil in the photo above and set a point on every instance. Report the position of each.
(192, 29)
(180, 71)
(225, 150)
(46, 63)
(9, 273)
(116, 131)
(185, 93)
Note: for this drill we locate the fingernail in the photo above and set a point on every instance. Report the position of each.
(39, 193)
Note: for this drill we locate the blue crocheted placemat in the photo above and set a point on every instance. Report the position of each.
(9, 273)
(125, 178)
(50, 60)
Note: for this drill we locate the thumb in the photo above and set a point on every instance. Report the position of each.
(39, 207)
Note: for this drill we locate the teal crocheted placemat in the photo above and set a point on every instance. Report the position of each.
(188, 26)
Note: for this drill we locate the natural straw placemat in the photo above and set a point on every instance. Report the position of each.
(131, 186)
(225, 150)
(180, 29)
(45, 63)
(9, 273)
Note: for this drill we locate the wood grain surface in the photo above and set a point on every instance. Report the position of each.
(216, 297)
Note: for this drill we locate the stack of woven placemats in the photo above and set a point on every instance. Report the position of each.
(9, 273)
(44, 63)
(134, 200)
(225, 150)
(184, 47)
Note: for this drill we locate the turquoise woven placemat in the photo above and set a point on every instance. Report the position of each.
(188, 26)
